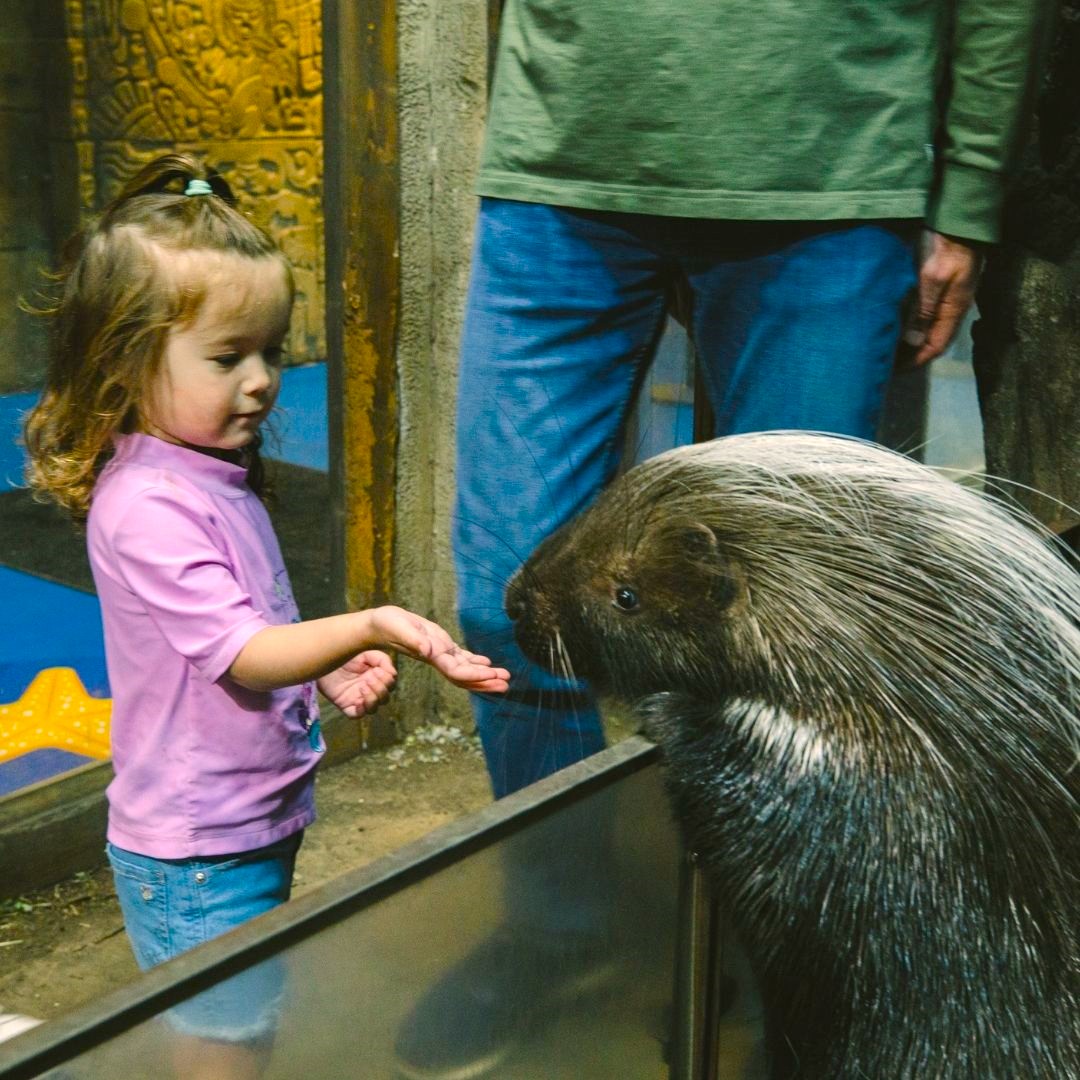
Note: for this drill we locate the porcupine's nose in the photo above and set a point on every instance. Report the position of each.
(515, 603)
(525, 610)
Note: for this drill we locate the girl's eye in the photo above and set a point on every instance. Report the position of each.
(227, 360)
(626, 599)
(274, 356)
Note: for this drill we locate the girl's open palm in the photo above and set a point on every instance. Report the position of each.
(424, 640)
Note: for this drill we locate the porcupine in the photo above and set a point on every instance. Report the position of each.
(865, 681)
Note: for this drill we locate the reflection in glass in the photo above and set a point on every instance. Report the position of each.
(352, 985)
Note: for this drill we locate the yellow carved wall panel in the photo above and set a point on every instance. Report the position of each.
(238, 83)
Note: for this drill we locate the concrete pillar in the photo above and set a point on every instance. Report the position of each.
(444, 52)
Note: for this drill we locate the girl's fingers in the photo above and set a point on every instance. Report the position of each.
(478, 676)
(376, 660)
(382, 681)
(491, 686)
(476, 658)
(457, 655)
(372, 700)
(465, 665)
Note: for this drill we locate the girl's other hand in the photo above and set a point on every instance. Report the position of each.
(424, 640)
(361, 684)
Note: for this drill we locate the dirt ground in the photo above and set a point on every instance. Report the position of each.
(66, 945)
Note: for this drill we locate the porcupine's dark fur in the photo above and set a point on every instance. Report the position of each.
(866, 684)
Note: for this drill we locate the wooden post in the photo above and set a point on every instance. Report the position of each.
(363, 217)
(1027, 340)
(53, 829)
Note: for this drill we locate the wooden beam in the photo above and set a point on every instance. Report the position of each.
(53, 829)
(363, 225)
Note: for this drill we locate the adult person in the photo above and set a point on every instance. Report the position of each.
(780, 159)
(798, 169)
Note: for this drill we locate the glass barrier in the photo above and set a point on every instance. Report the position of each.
(543, 932)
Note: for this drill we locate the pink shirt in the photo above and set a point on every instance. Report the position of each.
(188, 569)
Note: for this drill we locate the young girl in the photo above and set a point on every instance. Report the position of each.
(166, 360)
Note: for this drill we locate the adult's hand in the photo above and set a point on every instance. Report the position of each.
(948, 274)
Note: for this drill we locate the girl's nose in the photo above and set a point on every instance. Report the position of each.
(259, 378)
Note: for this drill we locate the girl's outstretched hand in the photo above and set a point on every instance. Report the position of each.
(424, 640)
(361, 684)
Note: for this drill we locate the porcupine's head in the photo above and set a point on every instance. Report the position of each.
(825, 576)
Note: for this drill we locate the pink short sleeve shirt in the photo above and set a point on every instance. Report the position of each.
(188, 569)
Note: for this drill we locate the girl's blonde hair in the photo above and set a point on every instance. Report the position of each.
(120, 293)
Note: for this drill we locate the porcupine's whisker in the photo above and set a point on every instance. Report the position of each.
(566, 670)
(494, 609)
(557, 666)
(519, 564)
(499, 580)
(528, 448)
(999, 489)
(492, 642)
(488, 623)
(564, 658)
(575, 473)
(558, 662)
(498, 537)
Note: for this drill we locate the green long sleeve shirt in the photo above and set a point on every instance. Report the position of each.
(764, 109)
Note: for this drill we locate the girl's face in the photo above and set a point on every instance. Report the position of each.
(220, 373)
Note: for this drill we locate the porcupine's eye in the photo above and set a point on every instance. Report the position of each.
(626, 599)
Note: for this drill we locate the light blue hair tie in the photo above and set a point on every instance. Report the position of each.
(198, 187)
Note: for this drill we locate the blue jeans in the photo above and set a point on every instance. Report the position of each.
(172, 905)
(795, 325)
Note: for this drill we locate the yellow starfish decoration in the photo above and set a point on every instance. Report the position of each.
(55, 712)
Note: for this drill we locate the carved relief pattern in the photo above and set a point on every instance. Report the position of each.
(236, 82)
